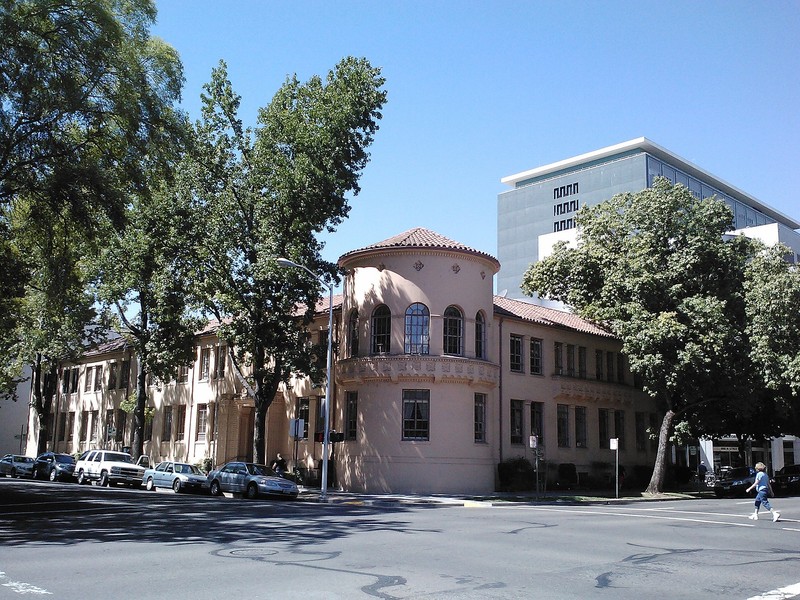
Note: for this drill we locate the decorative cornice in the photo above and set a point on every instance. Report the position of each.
(403, 367)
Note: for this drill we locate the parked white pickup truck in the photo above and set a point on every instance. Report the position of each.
(108, 467)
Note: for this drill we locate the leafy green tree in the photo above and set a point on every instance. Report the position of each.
(266, 192)
(85, 95)
(657, 269)
(142, 279)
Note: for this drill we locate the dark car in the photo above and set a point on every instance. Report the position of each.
(735, 482)
(787, 480)
(250, 480)
(54, 466)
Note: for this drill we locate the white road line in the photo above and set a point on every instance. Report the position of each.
(790, 591)
(21, 587)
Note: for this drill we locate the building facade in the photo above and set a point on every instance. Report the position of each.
(540, 211)
(436, 381)
(541, 207)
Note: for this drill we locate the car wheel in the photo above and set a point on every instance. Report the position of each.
(81, 477)
(176, 486)
(149, 486)
(103, 479)
(252, 491)
(53, 476)
(13, 472)
(215, 489)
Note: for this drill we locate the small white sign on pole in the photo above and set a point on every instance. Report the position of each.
(612, 443)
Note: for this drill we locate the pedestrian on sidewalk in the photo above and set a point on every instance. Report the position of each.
(763, 492)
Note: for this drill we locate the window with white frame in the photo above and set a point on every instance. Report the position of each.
(205, 364)
(180, 423)
(417, 329)
(202, 422)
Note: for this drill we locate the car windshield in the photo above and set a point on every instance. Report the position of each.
(65, 458)
(739, 472)
(186, 468)
(261, 470)
(119, 457)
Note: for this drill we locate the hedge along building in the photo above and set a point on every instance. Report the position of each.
(436, 381)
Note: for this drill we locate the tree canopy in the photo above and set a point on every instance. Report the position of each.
(266, 192)
(658, 269)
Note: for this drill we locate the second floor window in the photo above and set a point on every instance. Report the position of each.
(352, 333)
(536, 356)
(417, 330)
(453, 331)
(381, 330)
(558, 355)
(515, 353)
(205, 363)
(480, 336)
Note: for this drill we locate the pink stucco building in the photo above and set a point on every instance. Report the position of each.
(436, 381)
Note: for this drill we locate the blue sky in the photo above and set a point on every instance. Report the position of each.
(481, 90)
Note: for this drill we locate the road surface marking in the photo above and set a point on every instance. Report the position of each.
(790, 591)
(21, 587)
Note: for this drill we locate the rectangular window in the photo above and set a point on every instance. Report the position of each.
(416, 414)
(558, 356)
(98, 378)
(202, 422)
(95, 425)
(180, 423)
(620, 369)
(480, 417)
(112, 376)
(562, 423)
(571, 360)
(603, 427)
(83, 434)
(319, 407)
(62, 427)
(303, 412)
(515, 353)
(582, 362)
(598, 364)
(609, 366)
(580, 427)
(220, 356)
(183, 374)
(71, 426)
(516, 421)
(536, 356)
(124, 373)
(205, 364)
(537, 421)
(166, 431)
(641, 431)
(73, 383)
(619, 428)
(65, 381)
(88, 379)
(122, 420)
(148, 429)
(351, 416)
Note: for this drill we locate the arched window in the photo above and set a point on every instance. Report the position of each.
(453, 336)
(381, 329)
(480, 336)
(352, 332)
(417, 329)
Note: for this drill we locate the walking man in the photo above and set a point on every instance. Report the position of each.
(763, 489)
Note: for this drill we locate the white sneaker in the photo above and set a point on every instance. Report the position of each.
(754, 516)
(775, 515)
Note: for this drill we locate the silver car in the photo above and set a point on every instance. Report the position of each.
(250, 480)
(180, 476)
(15, 465)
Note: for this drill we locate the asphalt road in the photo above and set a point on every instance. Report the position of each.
(83, 542)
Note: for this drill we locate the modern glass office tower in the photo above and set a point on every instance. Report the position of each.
(541, 206)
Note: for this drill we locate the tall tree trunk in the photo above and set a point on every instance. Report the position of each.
(137, 444)
(656, 485)
(43, 386)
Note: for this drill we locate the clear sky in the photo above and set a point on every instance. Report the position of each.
(478, 90)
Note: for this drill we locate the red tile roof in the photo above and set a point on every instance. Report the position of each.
(547, 316)
(419, 237)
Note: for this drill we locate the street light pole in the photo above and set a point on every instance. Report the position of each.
(326, 439)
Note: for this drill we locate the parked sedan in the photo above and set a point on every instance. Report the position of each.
(251, 480)
(787, 480)
(735, 482)
(180, 476)
(15, 465)
(54, 466)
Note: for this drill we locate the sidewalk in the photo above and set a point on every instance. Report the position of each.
(495, 498)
